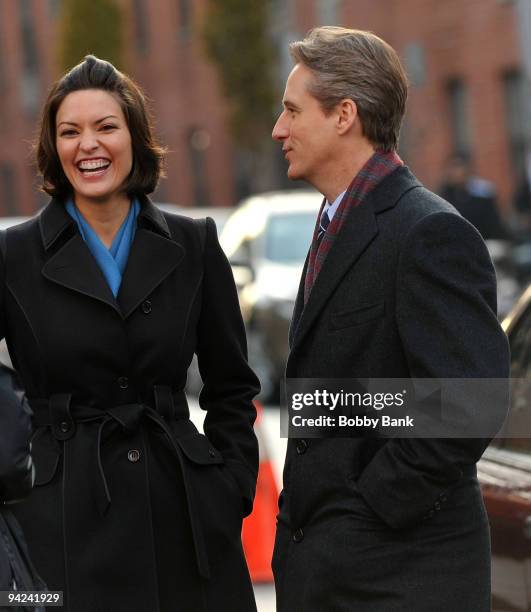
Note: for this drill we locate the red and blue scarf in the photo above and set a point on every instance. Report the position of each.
(375, 170)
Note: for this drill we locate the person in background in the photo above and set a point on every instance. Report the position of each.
(474, 198)
(105, 300)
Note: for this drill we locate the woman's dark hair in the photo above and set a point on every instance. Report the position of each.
(93, 73)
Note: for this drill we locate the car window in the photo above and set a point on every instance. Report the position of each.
(288, 237)
(520, 417)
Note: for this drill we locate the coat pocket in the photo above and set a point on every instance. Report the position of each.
(356, 316)
(198, 449)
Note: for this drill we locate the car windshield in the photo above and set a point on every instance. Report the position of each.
(288, 236)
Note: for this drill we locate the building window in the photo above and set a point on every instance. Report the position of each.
(53, 8)
(415, 61)
(459, 124)
(141, 26)
(29, 46)
(198, 143)
(30, 86)
(327, 12)
(515, 118)
(8, 192)
(185, 18)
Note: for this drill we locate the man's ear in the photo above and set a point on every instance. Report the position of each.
(347, 114)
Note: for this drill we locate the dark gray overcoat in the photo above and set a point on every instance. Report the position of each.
(133, 509)
(407, 290)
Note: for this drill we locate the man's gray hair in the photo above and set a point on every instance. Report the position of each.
(360, 66)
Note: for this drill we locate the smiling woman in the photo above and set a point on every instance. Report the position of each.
(94, 149)
(109, 298)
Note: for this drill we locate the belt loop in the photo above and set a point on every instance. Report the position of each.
(164, 401)
(62, 423)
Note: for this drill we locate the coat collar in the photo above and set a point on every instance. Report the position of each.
(54, 220)
(153, 256)
(359, 230)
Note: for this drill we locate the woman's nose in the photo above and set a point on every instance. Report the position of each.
(89, 141)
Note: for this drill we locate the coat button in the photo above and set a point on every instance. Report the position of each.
(146, 307)
(298, 536)
(133, 455)
(437, 505)
(64, 426)
(211, 452)
(302, 445)
(123, 382)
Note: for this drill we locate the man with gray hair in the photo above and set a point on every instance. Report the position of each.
(396, 285)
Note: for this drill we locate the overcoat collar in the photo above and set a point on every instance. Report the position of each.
(153, 256)
(359, 230)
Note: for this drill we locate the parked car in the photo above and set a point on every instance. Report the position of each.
(505, 476)
(220, 214)
(266, 240)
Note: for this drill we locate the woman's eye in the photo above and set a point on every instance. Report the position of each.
(68, 133)
(107, 127)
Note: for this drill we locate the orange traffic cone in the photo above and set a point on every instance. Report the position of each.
(259, 527)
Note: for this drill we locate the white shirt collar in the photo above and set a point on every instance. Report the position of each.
(330, 209)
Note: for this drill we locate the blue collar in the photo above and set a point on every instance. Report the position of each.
(111, 261)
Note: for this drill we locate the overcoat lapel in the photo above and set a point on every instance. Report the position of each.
(357, 233)
(299, 303)
(152, 258)
(74, 267)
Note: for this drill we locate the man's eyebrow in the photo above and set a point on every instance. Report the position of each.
(97, 120)
(289, 103)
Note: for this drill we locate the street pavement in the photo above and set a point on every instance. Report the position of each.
(275, 448)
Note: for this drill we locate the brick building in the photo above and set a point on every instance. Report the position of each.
(462, 56)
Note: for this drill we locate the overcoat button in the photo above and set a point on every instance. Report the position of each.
(123, 382)
(437, 505)
(146, 307)
(212, 452)
(302, 445)
(64, 426)
(298, 536)
(133, 455)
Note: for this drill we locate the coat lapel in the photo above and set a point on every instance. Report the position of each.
(154, 255)
(357, 233)
(299, 303)
(72, 265)
(152, 258)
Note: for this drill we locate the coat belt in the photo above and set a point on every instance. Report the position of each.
(61, 416)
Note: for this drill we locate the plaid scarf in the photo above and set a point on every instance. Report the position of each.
(377, 168)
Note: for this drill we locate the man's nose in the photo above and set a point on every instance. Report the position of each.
(280, 131)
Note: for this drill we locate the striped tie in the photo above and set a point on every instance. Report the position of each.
(323, 224)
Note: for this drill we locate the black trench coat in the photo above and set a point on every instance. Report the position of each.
(133, 509)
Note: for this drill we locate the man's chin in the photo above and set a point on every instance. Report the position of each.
(294, 174)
